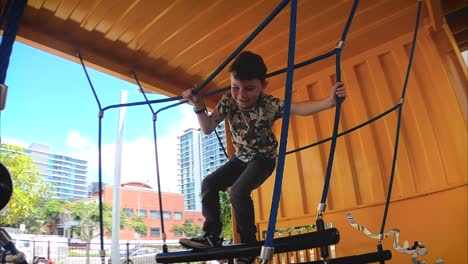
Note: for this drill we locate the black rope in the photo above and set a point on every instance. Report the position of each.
(16, 10)
(390, 110)
(347, 131)
(78, 54)
(100, 117)
(155, 137)
(197, 89)
(223, 89)
(296, 66)
(324, 252)
(337, 107)
(284, 135)
(221, 144)
(5, 9)
(100, 186)
(397, 132)
(244, 44)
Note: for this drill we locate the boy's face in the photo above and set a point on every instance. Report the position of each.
(246, 92)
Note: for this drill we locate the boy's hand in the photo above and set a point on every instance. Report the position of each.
(192, 98)
(338, 91)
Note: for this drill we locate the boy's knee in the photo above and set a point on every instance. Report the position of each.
(234, 200)
(206, 185)
(237, 194)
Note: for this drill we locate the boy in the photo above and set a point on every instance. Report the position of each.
(251, 115)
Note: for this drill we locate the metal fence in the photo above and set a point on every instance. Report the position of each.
(59, 252)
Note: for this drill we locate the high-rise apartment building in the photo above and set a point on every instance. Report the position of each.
(189, 166)
(198, 156)
(67, 175)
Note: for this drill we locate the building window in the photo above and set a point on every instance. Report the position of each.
(155, 232)
(154, 214)
(166, 215)
(142, 212)
(128, 211)
(177, 215)
(177, 233)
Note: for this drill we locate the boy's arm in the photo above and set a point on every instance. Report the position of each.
(206, 121)
(312, 107)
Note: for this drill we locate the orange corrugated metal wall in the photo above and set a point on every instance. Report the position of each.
(431, 173)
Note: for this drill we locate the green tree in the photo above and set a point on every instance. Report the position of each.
(188, 228)
(137, 223)
(35, 225)
(226, 217)
(52, 211)
(29, 187)
(87, 217)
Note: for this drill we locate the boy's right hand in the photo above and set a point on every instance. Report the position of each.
(191, 97)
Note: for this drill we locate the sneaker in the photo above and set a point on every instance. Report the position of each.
(247, 260)
(200, 242)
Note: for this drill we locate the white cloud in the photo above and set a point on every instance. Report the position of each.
(138, 161)
(188, 119)
(14, 142)
(76, 141)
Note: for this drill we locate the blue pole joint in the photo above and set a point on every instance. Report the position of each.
(266, 254)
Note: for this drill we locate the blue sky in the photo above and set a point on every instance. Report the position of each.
(50, 102)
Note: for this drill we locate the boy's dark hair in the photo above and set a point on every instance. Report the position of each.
(248, 66)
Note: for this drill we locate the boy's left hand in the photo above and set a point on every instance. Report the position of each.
(338, 91)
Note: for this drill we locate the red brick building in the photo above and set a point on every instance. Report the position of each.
(139, 198)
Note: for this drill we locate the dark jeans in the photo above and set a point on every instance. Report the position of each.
(243, 177)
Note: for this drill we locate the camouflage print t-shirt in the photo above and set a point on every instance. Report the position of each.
(251, 129)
